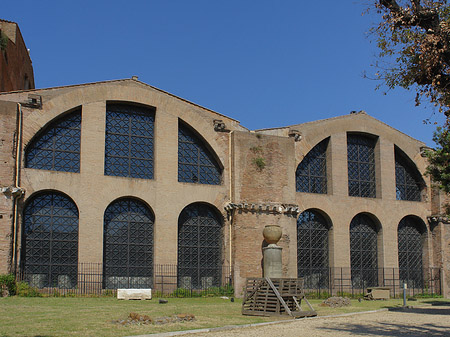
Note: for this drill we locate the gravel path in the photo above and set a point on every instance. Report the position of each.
(418, 322)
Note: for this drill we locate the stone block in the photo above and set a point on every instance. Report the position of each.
(134, 294)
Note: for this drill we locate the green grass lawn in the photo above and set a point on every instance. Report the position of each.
(20, 316)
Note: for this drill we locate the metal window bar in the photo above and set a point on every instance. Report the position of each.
(50, 241)
(199, 247)
(363, 252)
(311, 173)
(129, 139)
(407, 180)
(361, 166)
(196, 163)
(312, 249)
(128, 245)
(57, 147)
(410, 251)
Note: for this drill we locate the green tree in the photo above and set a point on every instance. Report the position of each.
(413, 37)
(439, 159)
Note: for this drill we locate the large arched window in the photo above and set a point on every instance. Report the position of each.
(312, 249)
(311, 174)
(199, 246)
(196, 163)
(57, 147)
(128, 245)
(129, 141)
(408, 182)
(363, 251)
(361, 166)
(50, 241)
(411, 231)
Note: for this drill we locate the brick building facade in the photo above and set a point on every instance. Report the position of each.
(126, 176)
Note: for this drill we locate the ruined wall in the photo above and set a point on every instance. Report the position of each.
(263, 185)
(7, 129)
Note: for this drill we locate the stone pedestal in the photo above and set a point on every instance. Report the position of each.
(273, 267)
(272, 261)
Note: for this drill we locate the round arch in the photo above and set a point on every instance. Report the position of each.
(128, 244)
(200, 236)
(50, 240)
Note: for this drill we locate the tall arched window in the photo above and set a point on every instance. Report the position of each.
(196, 163)
(57, 147)
(408, 181)
(363, 251)
(311, 174)
(50, 241)
(199, 246)
(410, 250)
(129, 141)
(312, 249)
(128, 245)
(361, 166)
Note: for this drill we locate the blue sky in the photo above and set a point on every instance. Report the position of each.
(264, 63)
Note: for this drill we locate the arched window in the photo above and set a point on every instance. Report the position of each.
(50, 241)
(408, 182)
(128, 245)
(363, 251)
(196, 163)
(57, 147)
(312, 249)
(361, 166)
(199, 247)
(311, 174)
(410, 250)
(129, 141)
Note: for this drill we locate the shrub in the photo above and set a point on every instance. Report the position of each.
(8, 282)
(24, 290)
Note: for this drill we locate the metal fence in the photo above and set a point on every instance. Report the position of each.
(325, 282)
(165, 282)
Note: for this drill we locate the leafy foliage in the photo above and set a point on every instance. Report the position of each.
(8, 282)
(414, 37)
(439, 159)
(414, 40)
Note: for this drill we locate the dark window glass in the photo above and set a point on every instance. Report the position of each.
(57, 148)
(410, 249)
(50, 241)
(312, 249)
(311, 175)
(196, 163)
(199, 246)
(361, 166)
(128, 245)
(408, 182)
(129, 141)
(363, 252)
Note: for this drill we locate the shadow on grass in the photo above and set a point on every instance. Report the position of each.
(390, 329)
(437, 303)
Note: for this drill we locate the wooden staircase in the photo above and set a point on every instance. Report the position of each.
(276, 296)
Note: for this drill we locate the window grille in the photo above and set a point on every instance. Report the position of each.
(312, 249)
(361, 166)
(311, 174)
(196, 163)
(408, 182)
(57, 148)
(129, 141)
(50, 241)
(363, 252)
(410, 250)
(128, 245)
(199, 247)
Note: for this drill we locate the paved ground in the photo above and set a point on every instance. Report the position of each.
(432, 321)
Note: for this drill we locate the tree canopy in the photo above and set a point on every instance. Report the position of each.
(414, 37)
